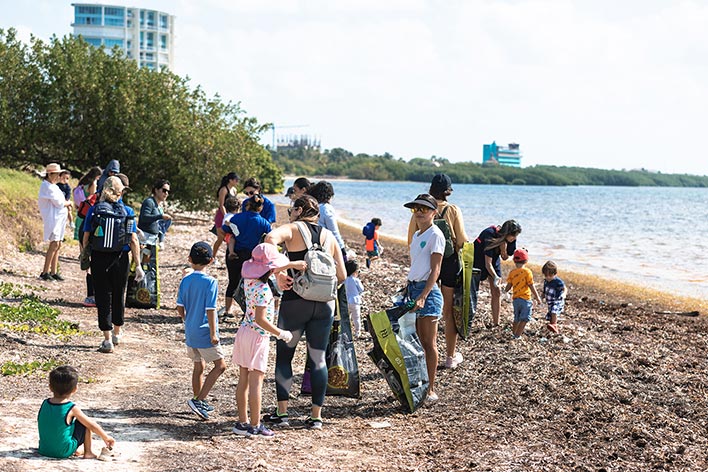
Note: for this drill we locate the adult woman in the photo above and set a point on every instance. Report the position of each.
(227, 188)
(252, 187)
(298, 315)
(250, 227)
(426, 250)
(110, 266)
(440, 189)
(301, 187)
(54, 210)
(492, 244)
(153, 220)
(86, 187)
(323, 192)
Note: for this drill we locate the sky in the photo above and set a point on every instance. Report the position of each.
(615, 84)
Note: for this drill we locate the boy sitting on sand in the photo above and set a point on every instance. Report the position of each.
(63, 427)
(521, 279)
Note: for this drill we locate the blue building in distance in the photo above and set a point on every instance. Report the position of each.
(504, 156)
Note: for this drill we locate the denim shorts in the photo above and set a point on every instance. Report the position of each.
(433, 303)
(522, 310)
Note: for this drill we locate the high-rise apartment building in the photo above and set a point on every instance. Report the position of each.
(144, 35)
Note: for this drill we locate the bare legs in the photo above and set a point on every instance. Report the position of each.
(427, 328)
(201, 389)
(496, 301)
(450, 330)
(51, 260)
(250, 386)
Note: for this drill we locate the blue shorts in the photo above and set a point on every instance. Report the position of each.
(433, 303)
(522, 310)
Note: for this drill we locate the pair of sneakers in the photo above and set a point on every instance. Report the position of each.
(283, 420)
(106, 346)
(200, 407)
(246, 430)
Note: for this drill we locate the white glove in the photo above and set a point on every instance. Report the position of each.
(497, 281)
(286, 336)
(139, 273)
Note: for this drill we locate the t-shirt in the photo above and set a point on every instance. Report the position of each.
(55, 436)
(197, 294)
(257, 294)
(424, 245)
(251, 226)
(480, 250)
(521, 279)
(354, 290)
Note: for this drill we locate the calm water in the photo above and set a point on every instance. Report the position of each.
(649, 236)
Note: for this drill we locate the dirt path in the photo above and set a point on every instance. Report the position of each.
(620, 389)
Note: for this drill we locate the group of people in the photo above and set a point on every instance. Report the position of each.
(257, 254)
(107, 232)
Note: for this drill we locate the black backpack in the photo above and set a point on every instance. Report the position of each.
(441, 223)
(110, 227)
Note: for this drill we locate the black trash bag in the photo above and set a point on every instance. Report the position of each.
(343, 377)
(146, 293)
(398, 354)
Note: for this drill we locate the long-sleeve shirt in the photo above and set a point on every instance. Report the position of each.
(150, 214)
(328, 219)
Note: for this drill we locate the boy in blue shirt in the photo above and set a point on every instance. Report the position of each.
(196, 305)
(554, 292)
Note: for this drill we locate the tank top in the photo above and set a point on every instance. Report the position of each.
(315, 231)
(55, 436)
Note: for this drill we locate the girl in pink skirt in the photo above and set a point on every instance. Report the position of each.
(251, 345)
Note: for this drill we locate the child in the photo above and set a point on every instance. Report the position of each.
(554, 291)
(373, 247)
(426, 252)
(196, 305)
(251, 344)
(354, 289)
(521, 279)
(63, 427)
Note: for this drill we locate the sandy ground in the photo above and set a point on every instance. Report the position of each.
(621, 388)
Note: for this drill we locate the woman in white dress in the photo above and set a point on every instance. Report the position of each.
(53, 207)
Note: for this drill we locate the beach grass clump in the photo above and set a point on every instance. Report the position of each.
(17, 291)
(27, 368)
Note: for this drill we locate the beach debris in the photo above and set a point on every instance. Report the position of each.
(679, 313)
(380, 424)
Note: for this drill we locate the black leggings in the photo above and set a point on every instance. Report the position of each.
(233, 266)
(110, 278)
(316, 319)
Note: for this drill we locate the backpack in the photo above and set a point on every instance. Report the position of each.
(368, 230)
(318, 282)
(86, 204)
(441, 223)
(110, 227)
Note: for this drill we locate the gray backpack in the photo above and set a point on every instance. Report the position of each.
(318, 282)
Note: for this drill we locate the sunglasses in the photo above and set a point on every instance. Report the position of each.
(250, 193)
(166, 190)
(420, 210)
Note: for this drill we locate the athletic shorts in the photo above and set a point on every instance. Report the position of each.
(208, 354)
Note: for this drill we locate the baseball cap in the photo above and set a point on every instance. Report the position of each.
(521, 255)
(440, 183)
(201, 253)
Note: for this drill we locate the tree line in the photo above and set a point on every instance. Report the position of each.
(340, 162)
(66, 101)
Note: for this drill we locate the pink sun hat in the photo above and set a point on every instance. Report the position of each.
(264, 257)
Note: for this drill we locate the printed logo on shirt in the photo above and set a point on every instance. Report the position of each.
(422, 244)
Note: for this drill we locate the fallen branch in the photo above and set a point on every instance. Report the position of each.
(680, 313)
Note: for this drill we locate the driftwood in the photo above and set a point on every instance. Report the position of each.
(680, 313)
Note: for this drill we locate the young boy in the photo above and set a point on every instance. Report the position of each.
(373, 247)
(63, 427)
(196, 305)
(355, 290)
(554, 291)
(521, 279)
